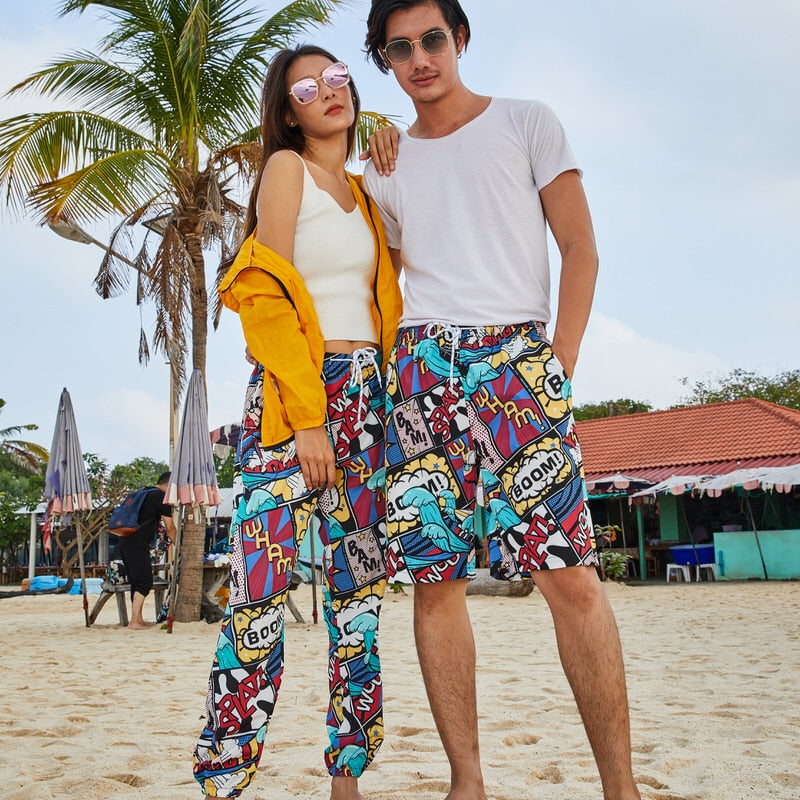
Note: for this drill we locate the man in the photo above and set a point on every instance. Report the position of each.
(135, 549)
(479, 399)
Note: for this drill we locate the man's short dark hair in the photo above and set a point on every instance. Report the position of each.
(379, 15)
(163, 478)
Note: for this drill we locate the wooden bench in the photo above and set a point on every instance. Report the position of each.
(121, 591)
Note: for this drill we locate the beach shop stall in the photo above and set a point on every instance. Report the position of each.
(679, 451)
(742, 525)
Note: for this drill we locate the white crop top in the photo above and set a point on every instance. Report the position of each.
(334, 252)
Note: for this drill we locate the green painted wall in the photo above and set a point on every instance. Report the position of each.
(738, 555)
(670, 518)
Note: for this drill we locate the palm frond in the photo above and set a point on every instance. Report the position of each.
(144, 349)
(101, 86)
(14, 430)
(300, 17)
(37, 148)
(117, 183)
(27, 455)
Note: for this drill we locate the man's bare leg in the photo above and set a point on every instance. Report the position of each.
(590, 651)
(446, 651)
(137, 622)
(345, 789)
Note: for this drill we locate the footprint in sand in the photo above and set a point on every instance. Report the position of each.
(788, 779)
(653, 783)
(520, 738)
(550, 774)
(129, 780)
(405, 730)
(435, 787)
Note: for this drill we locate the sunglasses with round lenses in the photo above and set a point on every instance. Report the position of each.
(307, 89)
(434, 43)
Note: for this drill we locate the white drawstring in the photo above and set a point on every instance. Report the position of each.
(361, 359)
(450, 334)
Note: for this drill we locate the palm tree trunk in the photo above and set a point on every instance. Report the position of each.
(190, 592)
(190, 579)
(199, 303)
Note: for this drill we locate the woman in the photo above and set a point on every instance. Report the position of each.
(319, 303)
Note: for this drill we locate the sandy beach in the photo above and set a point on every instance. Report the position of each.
(712, 674)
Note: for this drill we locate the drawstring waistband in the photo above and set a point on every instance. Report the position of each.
(451, 334)
(360, 360)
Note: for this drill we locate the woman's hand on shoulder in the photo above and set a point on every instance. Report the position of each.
(279, 196)
(382, 149)
(315, 454)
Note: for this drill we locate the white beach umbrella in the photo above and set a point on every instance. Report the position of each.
(66, 485)
(193, 479)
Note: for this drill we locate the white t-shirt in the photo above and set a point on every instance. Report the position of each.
(465, 213)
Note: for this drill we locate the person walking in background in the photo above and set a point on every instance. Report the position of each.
(318, 299)
(134, 550)
(479, 400)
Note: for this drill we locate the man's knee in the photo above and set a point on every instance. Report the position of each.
(438, 597)
(575, 588)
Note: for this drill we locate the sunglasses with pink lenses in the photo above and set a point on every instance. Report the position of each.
(306, 90)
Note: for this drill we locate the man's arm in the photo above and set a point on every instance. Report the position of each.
(170, 528)
(567, 214)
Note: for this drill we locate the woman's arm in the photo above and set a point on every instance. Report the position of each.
(279, 196)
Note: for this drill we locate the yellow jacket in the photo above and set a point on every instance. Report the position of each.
(282, 330)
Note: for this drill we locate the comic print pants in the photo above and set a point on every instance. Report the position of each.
(481, 413)
(273, 511)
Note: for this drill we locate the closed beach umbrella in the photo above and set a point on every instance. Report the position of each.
(193, 480)
(66, 486)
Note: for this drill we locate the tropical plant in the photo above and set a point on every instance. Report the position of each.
(162, 132)
(611, 408)
(27, 455)
(614, 565)
(783, 388)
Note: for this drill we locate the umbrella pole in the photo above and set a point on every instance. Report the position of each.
(83, 571)
(622, 528)
(755, 533)
(173, 572)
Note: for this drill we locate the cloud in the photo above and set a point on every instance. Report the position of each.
(130, 423)
(617, 361)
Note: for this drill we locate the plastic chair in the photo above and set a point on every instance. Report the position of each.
(680, 571)
(712, 569)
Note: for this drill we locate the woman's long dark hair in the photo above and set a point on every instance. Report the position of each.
(276, 133)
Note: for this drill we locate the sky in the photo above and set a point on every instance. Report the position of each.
(683, 117)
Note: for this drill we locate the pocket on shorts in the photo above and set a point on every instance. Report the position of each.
(556, 376)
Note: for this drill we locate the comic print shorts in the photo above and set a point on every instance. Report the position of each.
(481, 414)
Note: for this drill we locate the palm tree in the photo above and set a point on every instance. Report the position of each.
(163, 133)
(28, 455)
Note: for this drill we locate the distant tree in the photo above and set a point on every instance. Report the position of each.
(610, 408)
(14, 529)
(783, 388)
(18, 483)
(19, 488)
(27, 455)
(224, 468)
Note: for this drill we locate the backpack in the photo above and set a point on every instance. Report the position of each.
(125, 517)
